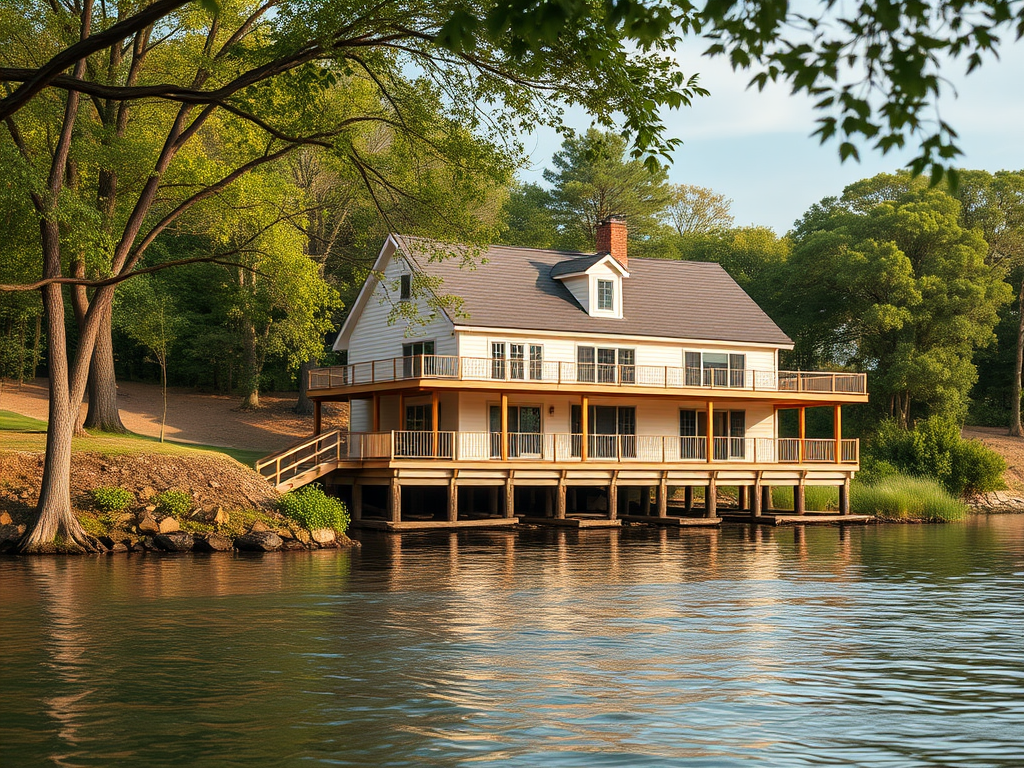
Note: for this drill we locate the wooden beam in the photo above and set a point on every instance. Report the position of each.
(688, 498)
(395, 501)
(376, 412)
(645, 501)
(803, 430)
(401, 412)
(798, 499)
(434, 413)
(711, 497)
(844, 497)
(613, 497)
(756, 497)
(837, 431)
(453, 499)
(766, 499)
(711, 431)
(510, 496)
(317, 418)
(663, 496)
(584, 426)
(357, 502)
(560, 498)
(504, 426)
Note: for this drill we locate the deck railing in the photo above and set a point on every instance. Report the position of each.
(552, 372)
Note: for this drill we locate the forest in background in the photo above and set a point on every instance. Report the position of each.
(917, 285)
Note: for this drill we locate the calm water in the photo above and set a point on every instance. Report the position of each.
(888, 646)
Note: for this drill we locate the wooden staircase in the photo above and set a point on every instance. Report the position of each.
(303, 462)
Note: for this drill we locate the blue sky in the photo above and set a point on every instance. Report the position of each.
(756, 147)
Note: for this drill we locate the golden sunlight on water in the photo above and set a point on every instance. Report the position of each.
(887, 646)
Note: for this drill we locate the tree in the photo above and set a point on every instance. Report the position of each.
(698, 210)
(896, 287)
(250, 81)
(528, 219)
(593, 179)
(150, 316)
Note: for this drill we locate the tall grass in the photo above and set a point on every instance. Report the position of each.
(901, 497)
(817, 498)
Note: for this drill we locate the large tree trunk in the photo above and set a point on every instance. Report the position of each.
(57, 528)
(103, 413)
(304, 406)
(1015, 426)
(253, 369)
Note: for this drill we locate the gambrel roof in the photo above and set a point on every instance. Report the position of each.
(517, 288)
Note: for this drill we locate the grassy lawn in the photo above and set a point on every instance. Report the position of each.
(21, 433)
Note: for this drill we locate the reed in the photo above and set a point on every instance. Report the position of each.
(901, 497)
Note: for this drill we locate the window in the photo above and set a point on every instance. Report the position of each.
(605, 365)
(536, 361)
(611, 431)
(498, 360)
(406, 290)
(730, 430)
(606, 295)
(413, 360)
(715, 369)
(516, 362)
(419, 418)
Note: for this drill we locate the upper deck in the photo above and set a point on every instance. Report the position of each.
(454, 372)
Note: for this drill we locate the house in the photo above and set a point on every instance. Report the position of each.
(568, 388)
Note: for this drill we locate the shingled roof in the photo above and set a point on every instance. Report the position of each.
(514, 288)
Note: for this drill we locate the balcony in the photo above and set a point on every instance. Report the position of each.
(517, 371)
(338, 448)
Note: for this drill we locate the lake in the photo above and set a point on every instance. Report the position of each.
(870, 646)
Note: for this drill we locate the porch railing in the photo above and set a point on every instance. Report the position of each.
(555, 372)
(563, 447)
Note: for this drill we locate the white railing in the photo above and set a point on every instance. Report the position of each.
(552, 447)
(513, 370)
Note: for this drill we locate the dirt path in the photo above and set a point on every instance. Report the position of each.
(193, 417)
(1010, 448)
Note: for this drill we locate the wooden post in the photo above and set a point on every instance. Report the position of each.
(663, 497)
(584, 426)
(560, 499)
(798, 499)
(688, 498)
(510, 496)
(741, 498)
(549, 503)
(837, 431)
(766, 499)
(803, 430)
(434, 412)
(376, 412)
(711, 431)
(645, 501)
(317, 420)
(504, 427)
(755, 498)
(613, 497)
(395, 501)
(402, 422)
(492, 499)
(453, 500)
(844, 497)
(711, 498)
(357, 502)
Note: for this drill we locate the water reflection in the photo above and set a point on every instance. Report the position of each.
(732, 647)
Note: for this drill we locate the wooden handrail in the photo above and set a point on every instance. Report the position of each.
(567, 372)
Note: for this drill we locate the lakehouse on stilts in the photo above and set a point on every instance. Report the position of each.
(568, 388)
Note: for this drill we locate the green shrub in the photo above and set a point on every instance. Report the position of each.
(900, 497)
(312, 508)
(934, 448)
(176, 503)
(111, 499)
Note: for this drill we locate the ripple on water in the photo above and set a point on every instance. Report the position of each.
(888, 646)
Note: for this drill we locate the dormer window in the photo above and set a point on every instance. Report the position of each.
(406, 289)
(606, 295)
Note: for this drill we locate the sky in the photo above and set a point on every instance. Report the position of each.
(756, 148)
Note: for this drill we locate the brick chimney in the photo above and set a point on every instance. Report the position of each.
(611, 238)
